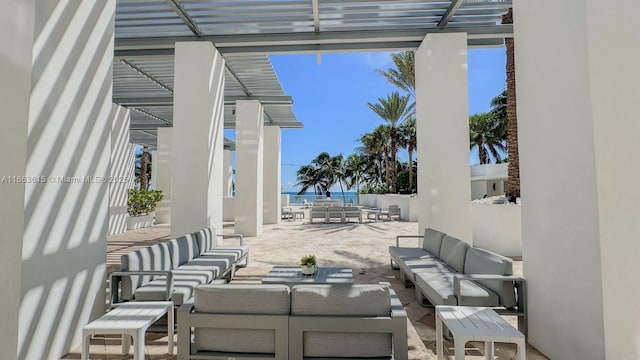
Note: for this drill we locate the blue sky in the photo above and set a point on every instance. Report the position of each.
(330, 99)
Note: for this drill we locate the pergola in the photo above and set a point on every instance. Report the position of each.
(81, 79)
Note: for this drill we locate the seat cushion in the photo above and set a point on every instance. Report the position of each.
(239, 251)
(481, 261)
(183, 250)
(206, 239)
(342, 344)
(453, 252)
(214, 264)
(183, 289)
(432, 241)
(425, 263)
(438, 287)
(398, 253)
(153, 258)
(341, 299)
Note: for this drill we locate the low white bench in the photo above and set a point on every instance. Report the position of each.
(467, 323)
(131, 320)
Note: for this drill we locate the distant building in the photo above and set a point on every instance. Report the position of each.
(488, 180)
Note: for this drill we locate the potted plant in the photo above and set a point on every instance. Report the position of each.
(140, 205)
(308, 265)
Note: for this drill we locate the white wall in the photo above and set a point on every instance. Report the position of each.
(122, 169)
(162, 162)
(272, 204)
(583, 222)
(229, 208)
(442, 126)
(497, 227)
(56, 90)
(197, 148)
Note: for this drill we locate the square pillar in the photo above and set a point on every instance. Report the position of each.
(162, 176)
(122, 169)
(272, 178)
(442, 126)
(578, 96)
(227, 174)
(198, 121)
(249, 167)
(55, 66)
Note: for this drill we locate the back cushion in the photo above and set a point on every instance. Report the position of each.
(243, 299)
(183, 249)
(453, 252)
(153, 258)
(346, 300)
(432, 241)
(206, 239)
(481, 261)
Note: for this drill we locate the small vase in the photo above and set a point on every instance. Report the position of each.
(307, 270)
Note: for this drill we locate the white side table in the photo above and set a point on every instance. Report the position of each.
(468, 323)
(131, 320)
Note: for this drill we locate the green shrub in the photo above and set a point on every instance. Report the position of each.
(142, 201)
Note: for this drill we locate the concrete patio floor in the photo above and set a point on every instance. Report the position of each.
(363, 247)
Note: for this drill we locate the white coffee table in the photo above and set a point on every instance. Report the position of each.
(291, 275)
(131, 320)
(468, 323)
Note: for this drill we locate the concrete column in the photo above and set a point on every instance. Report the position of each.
(122, 169)
(162, 177)
(55, 66)
(227, 174)
(272, 181)
(578, 94)
(198, 113)
(443, 135)
(249, 165)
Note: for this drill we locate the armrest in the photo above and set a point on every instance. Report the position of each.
(229, 236)
(116, 275)
(470, 277)
(186, 307)
(397, 310)
(407, 236)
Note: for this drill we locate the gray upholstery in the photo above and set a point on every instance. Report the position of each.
(398, 253)
(342, 344)
(481, 261)
(183, 249)
(421, 264)
(349, 300)
(240, 299)
(237, 251)
(206, 239)
(153, 258)
(438, 287)
(453, 252)
(183, 287)
(432, 241)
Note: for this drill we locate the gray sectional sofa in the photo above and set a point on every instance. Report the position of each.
(447, 271)
(306, 321)
(172, 270)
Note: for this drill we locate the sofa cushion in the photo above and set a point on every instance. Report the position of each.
(343, 344)
(432, 241)
(438, 287)
(183, 288)
(425, 263)
(481, 261)
(153, 258)
(214, 264)
(238, 251)
(453, 252)
(398, 253)
(206, 239)
(183, 249)
(341, 300)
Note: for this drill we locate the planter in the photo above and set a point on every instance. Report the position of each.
(307, 270)
(140, 221)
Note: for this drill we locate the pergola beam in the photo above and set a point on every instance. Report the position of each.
(455, 5)
(228, 100)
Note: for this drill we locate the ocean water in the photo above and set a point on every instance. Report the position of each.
(349, 196)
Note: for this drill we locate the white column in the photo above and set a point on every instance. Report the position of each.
(227, 174)
(443, 135)
(55, 93)
(153, 180)
(272, 188)
(162, 161)
(122, 169)
(578, 127)
(198, 125)
(249, 165)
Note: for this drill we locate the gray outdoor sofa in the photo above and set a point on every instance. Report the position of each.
(172, 270)
(307, 321)
(447, 271)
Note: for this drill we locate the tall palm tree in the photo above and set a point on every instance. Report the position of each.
(331, 169)
(410, 140)
(394, 110)
(403, 75)
(513, 181)
(309, 176)
(354, 168)
(143, 168)
(376, 145)
(486, 133)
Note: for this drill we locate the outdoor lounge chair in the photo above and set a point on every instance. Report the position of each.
(390, 213)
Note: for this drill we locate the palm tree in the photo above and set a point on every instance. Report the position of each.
(486, 133)
(376, 147)
(331, 169)
(409, 140)
(143, 168)
(403, 76)
(354, 168)
(309, 176)
(394, 111)
(513, 181)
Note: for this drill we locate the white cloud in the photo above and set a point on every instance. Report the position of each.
(377, 60)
